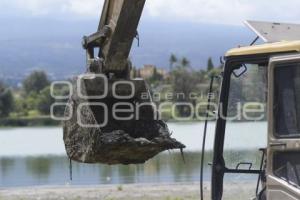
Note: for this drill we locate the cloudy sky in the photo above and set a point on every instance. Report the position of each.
(207, 11)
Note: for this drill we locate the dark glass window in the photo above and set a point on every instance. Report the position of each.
(287, 100)
(286, 166)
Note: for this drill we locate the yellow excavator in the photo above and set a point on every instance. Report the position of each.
(92, 134)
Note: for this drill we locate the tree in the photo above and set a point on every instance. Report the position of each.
(173, 60)
(6, 101)
(45, 101)
(184, 82)
(156, 77)
(210, 64)
(134, 72)
(185, 62)
(35, 82)
(138, 73)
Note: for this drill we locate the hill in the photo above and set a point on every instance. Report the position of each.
(55, 45)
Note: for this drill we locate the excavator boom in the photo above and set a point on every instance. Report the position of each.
(116, 32)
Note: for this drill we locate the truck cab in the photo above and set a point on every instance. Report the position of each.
(260, 92)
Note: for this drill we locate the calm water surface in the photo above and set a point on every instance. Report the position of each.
(36, 156)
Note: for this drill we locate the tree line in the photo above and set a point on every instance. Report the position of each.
(33, 98)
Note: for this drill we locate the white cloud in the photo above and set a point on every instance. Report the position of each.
(225, 11)
(207, 11)
(31, 7)
(85, 8)
(78, 8)
(216, 11)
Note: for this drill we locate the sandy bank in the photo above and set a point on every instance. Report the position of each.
(186, 191)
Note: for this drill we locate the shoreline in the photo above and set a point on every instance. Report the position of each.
(58, 125)
(173, 191)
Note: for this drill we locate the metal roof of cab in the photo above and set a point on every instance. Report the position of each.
(277, 47)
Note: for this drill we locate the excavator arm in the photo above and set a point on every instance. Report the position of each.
(116, 32)
(94, 133)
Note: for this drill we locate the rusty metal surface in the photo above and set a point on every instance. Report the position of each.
(122, 17)
(120, 142)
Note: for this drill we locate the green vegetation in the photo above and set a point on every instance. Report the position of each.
(6, 101)
(172, 60)
(29, 105)
(183, 84)
(210, 65)
(35, 82)
(27, 121)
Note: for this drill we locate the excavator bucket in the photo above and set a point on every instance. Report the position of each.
(112, 118)
(111, 130)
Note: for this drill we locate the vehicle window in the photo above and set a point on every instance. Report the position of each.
(286, 166)
(246, 126)
(286, 100)
(246, 129)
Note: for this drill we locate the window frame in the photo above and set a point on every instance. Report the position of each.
(274, 65)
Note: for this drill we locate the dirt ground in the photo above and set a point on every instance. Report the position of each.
(188, 191)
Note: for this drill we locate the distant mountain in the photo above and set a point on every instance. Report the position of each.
(197, 42)
(55, 45)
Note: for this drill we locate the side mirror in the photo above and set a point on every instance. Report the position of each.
(240, 71)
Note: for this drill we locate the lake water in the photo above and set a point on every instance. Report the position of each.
(36, 156)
